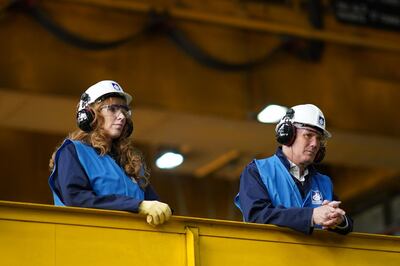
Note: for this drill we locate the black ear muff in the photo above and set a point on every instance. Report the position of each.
(85, 118)
(286, 132)
(320, 155)
(128, 127)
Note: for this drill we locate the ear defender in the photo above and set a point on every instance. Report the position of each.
(286, 132)
(85, 115)
(128, 128)
(320, 155)
(85, 118)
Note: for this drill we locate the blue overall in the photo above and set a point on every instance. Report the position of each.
(105, 175)
(282, 189)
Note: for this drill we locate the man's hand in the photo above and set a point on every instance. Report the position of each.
(156, 212)
(328, 215)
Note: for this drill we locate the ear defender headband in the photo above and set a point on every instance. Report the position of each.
(286, 135)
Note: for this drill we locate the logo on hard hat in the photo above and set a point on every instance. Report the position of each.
(321, 121)
(116, 86)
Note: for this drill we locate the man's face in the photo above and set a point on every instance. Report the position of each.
(305, 146)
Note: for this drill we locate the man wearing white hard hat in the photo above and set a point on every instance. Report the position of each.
(97, 165)
(286, 189)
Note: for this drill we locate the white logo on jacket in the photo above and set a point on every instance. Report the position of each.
(316, 197)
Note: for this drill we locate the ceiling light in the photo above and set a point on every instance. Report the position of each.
(169, 160)
(272, 113)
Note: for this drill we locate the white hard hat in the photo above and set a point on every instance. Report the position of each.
(307, 114)
(100, 89)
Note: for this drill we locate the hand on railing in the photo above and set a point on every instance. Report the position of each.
(156, 212)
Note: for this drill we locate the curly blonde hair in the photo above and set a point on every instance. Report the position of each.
(122, 149)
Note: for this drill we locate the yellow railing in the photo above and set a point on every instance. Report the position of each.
(34, 234)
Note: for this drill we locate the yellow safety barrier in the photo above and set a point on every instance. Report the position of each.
(34, 234)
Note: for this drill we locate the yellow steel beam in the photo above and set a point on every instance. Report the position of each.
(192, 246)
(33, 234)
(188, 14)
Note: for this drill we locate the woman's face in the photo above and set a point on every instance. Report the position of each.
(115, 112)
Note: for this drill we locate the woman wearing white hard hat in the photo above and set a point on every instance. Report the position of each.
(286, 189)
(97, 165)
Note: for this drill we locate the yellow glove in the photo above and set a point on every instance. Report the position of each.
(156, 212)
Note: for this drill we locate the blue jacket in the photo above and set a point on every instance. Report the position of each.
(83, 178)
(283, 189)
(293, 208)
